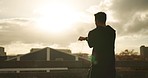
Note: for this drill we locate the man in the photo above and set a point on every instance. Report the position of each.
(102, 40)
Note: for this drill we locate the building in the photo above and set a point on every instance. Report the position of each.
(2, 54)
(83, 55)
(2, 51)
(62, 50)
(144, 51)
(46, 62)
(46, 59)
(47, 54)
(52, 63)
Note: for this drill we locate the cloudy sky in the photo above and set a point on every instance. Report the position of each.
(26, 24)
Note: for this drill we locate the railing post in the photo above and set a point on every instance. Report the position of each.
(48, 54)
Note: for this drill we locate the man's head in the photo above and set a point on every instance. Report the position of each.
(100, 17)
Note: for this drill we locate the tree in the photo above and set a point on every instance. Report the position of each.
(128, 55)
(126, 52)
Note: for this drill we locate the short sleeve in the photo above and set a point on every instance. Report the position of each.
(90, 39)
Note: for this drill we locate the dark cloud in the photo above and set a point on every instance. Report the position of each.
(126, 6)
(139, 25)
(128, 13)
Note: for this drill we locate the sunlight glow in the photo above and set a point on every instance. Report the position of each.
(56, 18)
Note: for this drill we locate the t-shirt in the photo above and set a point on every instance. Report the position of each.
(102, 40)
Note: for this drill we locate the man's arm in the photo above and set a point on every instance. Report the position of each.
(82, 38)
(89, 39)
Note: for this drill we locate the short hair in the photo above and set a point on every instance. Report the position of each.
(100, 17)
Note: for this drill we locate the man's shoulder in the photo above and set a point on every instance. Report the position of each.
(93, 30)
(100, 29)
(110, 28)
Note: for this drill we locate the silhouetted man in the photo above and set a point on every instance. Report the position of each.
(102, 40)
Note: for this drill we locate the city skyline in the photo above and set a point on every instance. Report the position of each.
(26, 24)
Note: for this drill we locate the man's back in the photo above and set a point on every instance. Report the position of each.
(102, 40)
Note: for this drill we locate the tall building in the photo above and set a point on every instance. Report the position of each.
(2, 54)
(144, 51)
(2, 51)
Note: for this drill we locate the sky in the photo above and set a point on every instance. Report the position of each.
(26, 24)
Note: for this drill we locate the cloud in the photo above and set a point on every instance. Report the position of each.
(139, 24)
(16, 29)
(128, 17)
(22, 34)
(19, 47)
(131, 16)
(24, 30)
(126, 6)
(18, 8)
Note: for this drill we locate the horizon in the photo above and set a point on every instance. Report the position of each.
(70, 50)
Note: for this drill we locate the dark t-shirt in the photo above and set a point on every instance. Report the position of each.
(102, 40)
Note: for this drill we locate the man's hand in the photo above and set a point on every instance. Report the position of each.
(82, 38)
